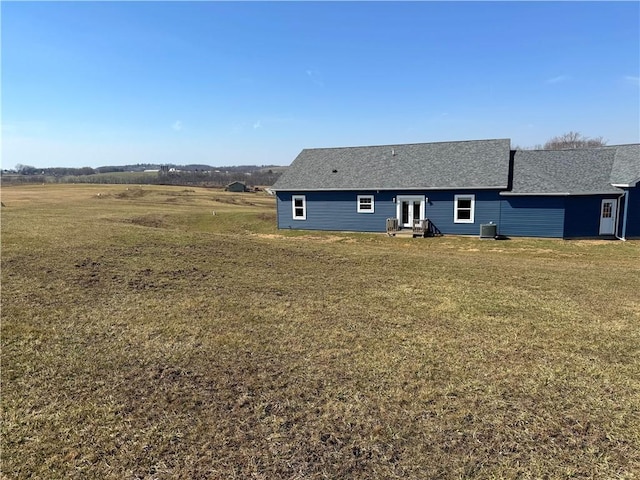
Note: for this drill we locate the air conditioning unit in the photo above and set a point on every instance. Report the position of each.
(488, 230)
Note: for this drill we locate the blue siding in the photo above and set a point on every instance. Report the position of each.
(560, 217)
(338, 211)
(532, 217)
(633, 215)
(440, 211)
(582, 215)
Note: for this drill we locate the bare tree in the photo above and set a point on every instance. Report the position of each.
(25, 169)
(573, 140)
(537, 146)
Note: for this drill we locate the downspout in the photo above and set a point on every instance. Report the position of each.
(275, 194)
(624, 217)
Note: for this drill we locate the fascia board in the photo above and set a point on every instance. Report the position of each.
(626, 185)
(556, 194)
(533, 194)
(385, 189)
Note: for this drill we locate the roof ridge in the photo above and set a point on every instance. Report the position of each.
(619, 145)
(599, 147)
(409, 144)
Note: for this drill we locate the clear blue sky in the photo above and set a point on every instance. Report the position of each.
(91, 84)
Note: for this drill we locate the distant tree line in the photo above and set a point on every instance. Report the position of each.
(196, 176)
(213, 178)
(51, 171)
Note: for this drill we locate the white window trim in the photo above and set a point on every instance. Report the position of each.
(364, 210)
(456, 210)
(304, 207)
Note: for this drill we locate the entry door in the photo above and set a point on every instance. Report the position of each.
(410, 209)
(608, 216)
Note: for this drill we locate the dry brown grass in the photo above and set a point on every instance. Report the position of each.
(144, 337)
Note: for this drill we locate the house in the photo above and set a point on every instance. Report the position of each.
(574, 193)
(459, 186)
(236, 187)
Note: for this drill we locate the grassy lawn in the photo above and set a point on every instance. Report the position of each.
(145, 337)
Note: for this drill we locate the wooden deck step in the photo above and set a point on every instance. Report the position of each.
(408, 233)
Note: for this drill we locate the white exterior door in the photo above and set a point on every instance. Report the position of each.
(409, 208)
(608, 216)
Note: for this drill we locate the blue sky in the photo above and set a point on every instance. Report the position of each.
(91, 84)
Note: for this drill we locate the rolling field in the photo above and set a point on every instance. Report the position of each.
(144, 337)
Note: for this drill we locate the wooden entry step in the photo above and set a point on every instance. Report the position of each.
(421, 228)
(406, 233)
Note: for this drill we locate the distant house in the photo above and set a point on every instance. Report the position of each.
(459, 186)
(236, 187)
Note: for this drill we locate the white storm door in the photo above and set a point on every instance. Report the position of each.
(608, 216)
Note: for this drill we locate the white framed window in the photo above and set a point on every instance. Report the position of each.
(299, 207)
(365, 204)
(464, 208)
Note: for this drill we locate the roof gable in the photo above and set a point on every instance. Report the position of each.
(444, 165)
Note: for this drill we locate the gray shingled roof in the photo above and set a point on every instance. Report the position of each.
(626, 164)
(445, 165)
(569, 172)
